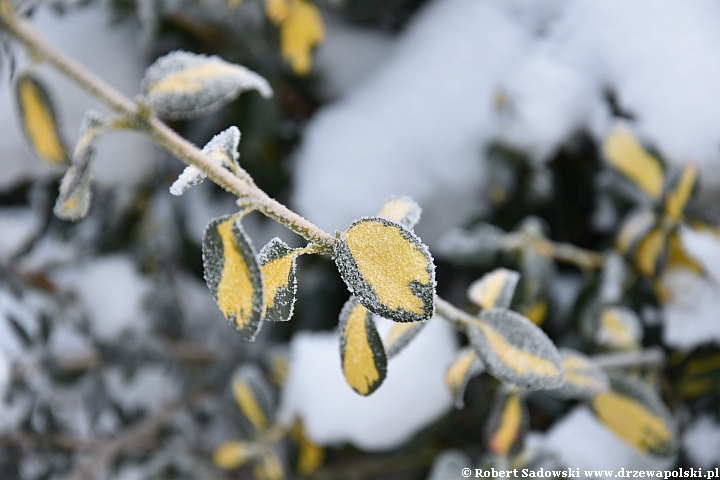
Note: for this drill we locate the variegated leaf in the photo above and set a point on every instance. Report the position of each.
(403, 210)
(583, 379)
(364, 363)
(465, 366)
(388, 269)
(235, 454)
(679, 190)
(494, 289)
(628, 156)
(254, 397)
(400, 335)
(278, 265)
(619, 328)
(232, 273)
(507, 421)
(515, 350)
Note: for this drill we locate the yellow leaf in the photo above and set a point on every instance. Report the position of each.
(278, 269)
(39, 121)
(402, 210)
(678, 258)
(466, 365)
(583, 380)
(253, 396)
(364, 363)
(388, 269)
(515, 350)
(537, 312)
(232, 455)
(651, 253)
(508, 419)
(631, 419)
(619, 328)
(248, 403)
(311, 455)
(233, 275)
(494, 289)
(269, 467)
(679, 194)
(627, 155)
(301, 28)
(400, 335)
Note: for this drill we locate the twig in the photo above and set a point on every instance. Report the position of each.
(651, 357)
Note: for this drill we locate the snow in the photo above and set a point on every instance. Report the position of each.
(18, 225)
(691, 314)
(581, 441)
(150, 388)
(418, 124)
(112, 292)
(412, 396)
(702, 442)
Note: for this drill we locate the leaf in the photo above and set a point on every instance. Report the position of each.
(75, 196)
(537, 275)
(222, 150)
(507, 420)
(494, 289)
(448, 464)
(233, 275)
(626, 154)
(678, 258)
(364, 363)
(269, 467)
(301, 28)
(465, 366)
(400, 335)
(698, 373)
(277, 262)
(583, 379)
(235, 454)
(515, 350)
(39, 121)
(679, 191)
(643, 242)
(637, 415)
(187, 85)
(310, 455)
(253, 396)
(403, 210)
(388, 269)
(619, 328)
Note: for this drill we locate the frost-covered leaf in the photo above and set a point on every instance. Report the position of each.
(494, 289)
(507, 421)
(677, 257)
(301, 28)
(636, 414)
(465, 366)
(537, 275)
(75, 196)
(221, 149)
(403, 210)
(619, 328)
(232, 272)
(613, 278)
(643, 242)
(270, 466)
(477, 246)
(400, 335)
(254, 396)
(626, 154)
(515, 350)
(448, 464)
(679, 190)
(583, 379)
(388, 269)
(39, 121)
(278, 265)
(235, 454)
(310, 455)
(188, 85)
(364, 363)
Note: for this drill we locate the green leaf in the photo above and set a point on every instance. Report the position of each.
(644, 242)
(465, 366)
(494, 289)
(403, 210)
(583, 379)
(364, 363)
(388, 268)
(187, 85)
(627, 155)
(636, 414)
(39, 121)
(278, 265)
(400, 335)
(254, 397)
(507, 421)
(233, 274)
(515, 350)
